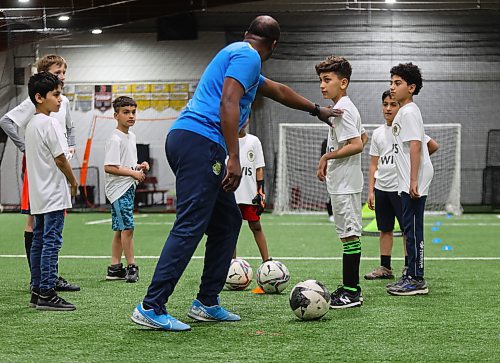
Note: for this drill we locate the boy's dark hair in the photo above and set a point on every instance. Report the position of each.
(386, 94)
(123, 101)
(42, 83)
(266, 27)
(338, 65)
(410, 73)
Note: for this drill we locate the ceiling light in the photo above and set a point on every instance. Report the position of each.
(24, 1)
(96, 31)
(63, 18)
(390, 1)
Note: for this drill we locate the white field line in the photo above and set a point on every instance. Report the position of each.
(108, 220)
(299, 224)
(290, 258)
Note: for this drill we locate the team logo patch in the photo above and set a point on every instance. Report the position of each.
(251, 156)
(217, 167)
(396, 129)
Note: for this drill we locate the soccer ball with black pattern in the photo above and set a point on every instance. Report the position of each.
(310, 300)
(240, 275)
(273, 277)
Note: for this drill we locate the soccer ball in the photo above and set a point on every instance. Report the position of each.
(273, 277)
(240, 275)
(310, 300)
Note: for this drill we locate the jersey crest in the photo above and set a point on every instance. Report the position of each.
(250, 156)
(396, 129)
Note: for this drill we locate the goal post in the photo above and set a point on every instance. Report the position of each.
(299, 191)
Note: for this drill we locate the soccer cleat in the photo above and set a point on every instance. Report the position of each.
(50, 301)
(408, 287)
(148, 317)
(258, 290)
(380, 273)
(116, 272)
(64, 285)
(132, 273)
(342, 299)
(35, 293)
(200, 312)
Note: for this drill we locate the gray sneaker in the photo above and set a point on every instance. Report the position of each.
(408, 287)
(380, 273)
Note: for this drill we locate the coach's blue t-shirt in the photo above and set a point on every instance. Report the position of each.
(202, 113)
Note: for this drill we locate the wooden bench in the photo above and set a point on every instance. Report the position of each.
(151, 192)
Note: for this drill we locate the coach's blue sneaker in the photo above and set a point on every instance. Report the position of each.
(150, 319)
(408, 287)
(200, 312)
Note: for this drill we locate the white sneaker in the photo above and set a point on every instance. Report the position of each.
(331, 219)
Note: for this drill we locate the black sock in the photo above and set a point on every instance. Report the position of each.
(385, 261)
(406, 260)
(350, 264)
(28, 241)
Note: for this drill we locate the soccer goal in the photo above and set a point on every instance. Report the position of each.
(299, 191)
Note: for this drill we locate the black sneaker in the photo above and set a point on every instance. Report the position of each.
(132, 273)
(408, 287)
(342, 299)
(402, 278)
(64, 285)
(35, 293)
(50, 301)
(116, 272)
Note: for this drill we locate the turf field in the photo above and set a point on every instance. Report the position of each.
(458, 321)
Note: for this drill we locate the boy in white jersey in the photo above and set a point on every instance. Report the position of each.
(383, 187)
(250, 195)
(341, 168)
(122, 170)
(49, 172)
(415, 172)
(19, 117)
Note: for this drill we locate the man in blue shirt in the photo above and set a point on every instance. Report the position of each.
(196, 147)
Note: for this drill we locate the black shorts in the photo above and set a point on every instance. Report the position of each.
(387, 207)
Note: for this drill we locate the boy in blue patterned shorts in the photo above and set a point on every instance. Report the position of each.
(122, 171)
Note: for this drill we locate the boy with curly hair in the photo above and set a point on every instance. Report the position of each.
(415, 172)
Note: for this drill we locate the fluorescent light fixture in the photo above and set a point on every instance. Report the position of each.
(63, 18)
(96, 31)
(24, 1)
(390, 1)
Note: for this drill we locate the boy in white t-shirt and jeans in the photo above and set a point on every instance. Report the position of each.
(415, 172)
(19, 117)
(341, 168)
(383, 187)
(49, 172)
(122, 172)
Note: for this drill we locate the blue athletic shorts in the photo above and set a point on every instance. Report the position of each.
(122, 211)
(387, 207)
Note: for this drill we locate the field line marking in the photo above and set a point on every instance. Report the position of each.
(108, 220)
(291, 258)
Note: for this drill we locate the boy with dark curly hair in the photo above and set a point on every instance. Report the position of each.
(415, 172)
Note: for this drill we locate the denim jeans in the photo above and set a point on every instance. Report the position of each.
(47, 241)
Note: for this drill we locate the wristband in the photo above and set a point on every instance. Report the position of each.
(316, 111)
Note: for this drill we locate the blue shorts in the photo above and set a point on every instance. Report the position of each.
(122, 211)
(387, 207)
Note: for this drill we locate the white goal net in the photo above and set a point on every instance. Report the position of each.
(299, 191)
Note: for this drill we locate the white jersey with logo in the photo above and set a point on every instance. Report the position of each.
(251, 158)
(120, 150)
(409, 126)
(48, 187)
(344, 175)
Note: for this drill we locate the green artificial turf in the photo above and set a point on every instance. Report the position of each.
(458, 321)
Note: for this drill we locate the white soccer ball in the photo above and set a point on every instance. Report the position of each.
(273, 277)
(239, 276)
(310, 300)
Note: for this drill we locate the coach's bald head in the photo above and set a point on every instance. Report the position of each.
(263, 33)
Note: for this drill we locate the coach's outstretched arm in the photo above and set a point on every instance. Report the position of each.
(288, 97)
(232, 91)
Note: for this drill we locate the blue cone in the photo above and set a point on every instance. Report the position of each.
(436, 240)
(434, 229)
(438, 224)
(446, 248)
